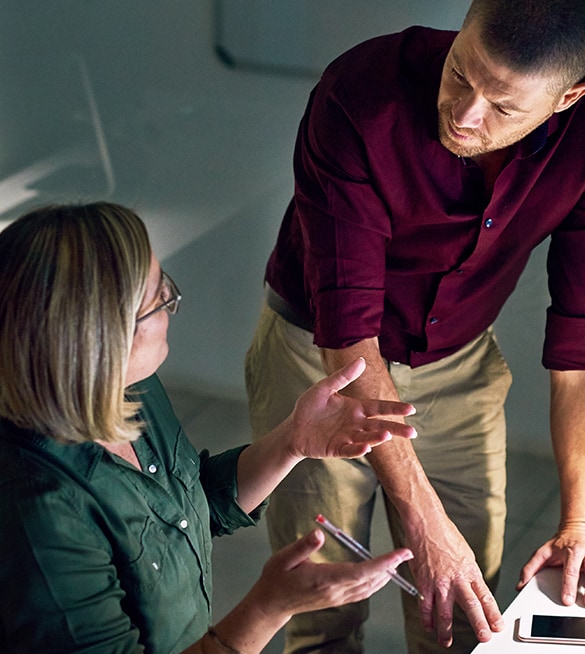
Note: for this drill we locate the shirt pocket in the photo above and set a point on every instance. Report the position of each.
(144, 572)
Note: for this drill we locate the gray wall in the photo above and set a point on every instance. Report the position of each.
(203, 150)
(304, 36)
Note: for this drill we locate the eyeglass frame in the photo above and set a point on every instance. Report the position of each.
(171, 305)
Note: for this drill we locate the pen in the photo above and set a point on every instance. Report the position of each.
(360, 550)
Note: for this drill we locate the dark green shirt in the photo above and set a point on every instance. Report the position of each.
(98, 556)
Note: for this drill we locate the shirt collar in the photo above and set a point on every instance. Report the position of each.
(82, 458)
(536, 140)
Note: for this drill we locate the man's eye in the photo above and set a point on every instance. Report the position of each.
(458, 76)
(165, 293)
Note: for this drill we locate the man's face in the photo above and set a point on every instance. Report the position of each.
(483, 105)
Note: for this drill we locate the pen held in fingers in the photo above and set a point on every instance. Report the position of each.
(361, 551)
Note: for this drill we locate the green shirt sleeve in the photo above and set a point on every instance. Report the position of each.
(219, 480)
(64, 574)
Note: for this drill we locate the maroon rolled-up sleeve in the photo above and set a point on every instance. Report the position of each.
(564, 346)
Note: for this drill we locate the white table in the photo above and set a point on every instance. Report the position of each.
(540, 596)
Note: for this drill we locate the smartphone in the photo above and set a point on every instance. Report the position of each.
(552, 629)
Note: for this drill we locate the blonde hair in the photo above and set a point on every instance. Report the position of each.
(72, 279)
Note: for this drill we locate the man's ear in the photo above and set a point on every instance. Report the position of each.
(571, 96)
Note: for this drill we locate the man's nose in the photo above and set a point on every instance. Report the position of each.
(468, 112)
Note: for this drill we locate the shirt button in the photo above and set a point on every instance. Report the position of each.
(433, 320)
(488, 222)
(152, 468)
(183, 524)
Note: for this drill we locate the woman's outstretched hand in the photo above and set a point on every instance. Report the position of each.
(327, 424)
(291, 583)
(324, 423)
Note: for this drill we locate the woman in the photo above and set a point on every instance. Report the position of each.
(107, 511)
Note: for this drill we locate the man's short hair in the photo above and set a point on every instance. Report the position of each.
(538, 37)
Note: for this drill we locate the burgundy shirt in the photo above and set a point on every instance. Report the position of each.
(389, 234)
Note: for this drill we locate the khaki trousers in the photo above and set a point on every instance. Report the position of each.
(461, 445)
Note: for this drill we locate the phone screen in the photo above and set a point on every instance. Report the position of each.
(556, 626)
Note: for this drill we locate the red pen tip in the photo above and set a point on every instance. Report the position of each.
(320, 519)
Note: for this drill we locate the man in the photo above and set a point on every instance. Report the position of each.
(428, 165)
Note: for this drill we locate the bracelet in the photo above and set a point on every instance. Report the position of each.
(220, 643)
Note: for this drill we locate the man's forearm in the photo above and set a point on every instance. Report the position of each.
(396, 464)
(444, 565)
(568, 437)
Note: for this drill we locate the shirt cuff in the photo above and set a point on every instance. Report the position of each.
(564, 345)
(346, 316)
(219, 479)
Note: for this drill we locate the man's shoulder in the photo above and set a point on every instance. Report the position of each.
(404, 67)
(415, 48)
(379, 79)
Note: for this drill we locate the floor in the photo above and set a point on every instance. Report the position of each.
(533, 497)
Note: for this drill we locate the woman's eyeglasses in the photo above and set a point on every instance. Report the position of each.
(170, 295)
